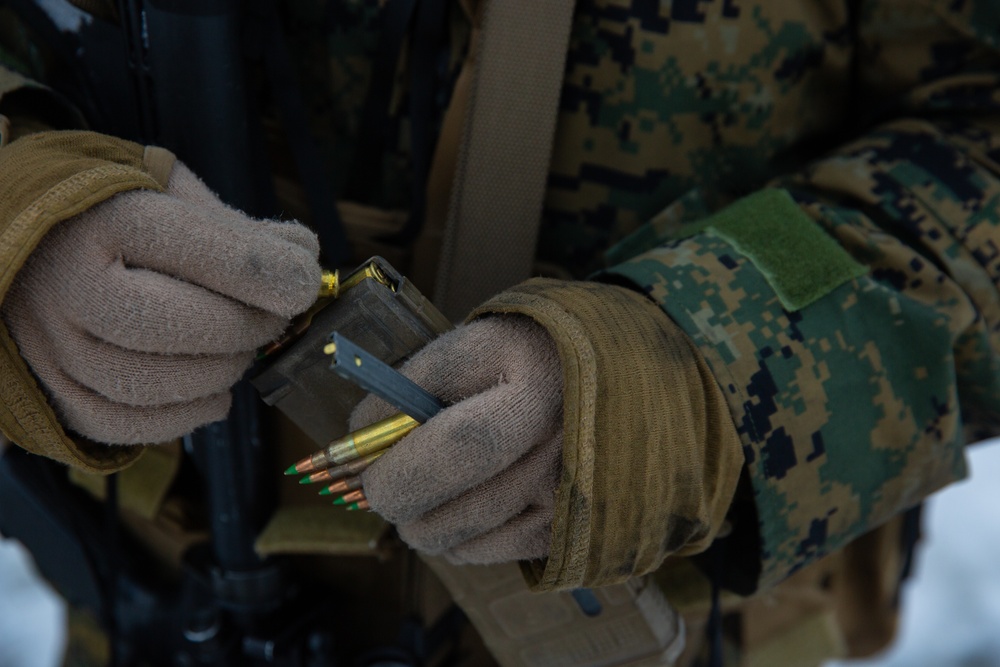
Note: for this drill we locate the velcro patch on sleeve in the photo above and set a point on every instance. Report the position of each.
(800, 261)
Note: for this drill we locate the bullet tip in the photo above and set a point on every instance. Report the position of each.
(292, 469)
(325, 492)
(305, 480)
(339, 501)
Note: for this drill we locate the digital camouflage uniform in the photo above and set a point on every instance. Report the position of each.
(811, 191)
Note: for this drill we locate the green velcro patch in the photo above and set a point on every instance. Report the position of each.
(800, 261)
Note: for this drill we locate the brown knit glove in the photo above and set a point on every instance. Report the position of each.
(139, 314)
(476, 482)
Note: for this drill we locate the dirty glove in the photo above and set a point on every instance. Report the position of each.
(477, 481)
(138, 314)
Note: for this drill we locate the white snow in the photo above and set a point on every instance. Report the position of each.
(65, 16)
(31, 615)
(951, 607)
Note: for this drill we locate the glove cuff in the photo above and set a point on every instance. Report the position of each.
(651, 456)
(50, 177)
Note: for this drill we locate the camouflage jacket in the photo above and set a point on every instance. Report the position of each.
(808, 189)
(708, 152)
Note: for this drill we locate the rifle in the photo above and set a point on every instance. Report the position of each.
(184, 74)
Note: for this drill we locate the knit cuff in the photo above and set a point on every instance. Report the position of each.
(47, 178)
(650, 456)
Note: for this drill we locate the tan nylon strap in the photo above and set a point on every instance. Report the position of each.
(499, 186)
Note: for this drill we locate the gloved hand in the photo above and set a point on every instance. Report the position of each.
(477, 481)
(138, 314)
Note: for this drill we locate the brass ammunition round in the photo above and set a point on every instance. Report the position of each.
(321, 476)
(346, 470)
(369, 271)
(354, 496)
(344, 485)
(353, 446)
(377, 273)
(330, 285)
(360, 505)
(358, 467)
(308, 464)
(317, 461)
(341, 451)
(370, 439)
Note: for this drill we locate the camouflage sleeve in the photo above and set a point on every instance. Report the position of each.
(850, 312)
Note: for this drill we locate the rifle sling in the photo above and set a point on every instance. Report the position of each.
(499, 184)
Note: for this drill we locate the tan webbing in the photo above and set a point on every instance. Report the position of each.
(496, 198)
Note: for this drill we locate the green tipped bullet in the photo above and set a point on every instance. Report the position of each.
(356, 445)
(351, 497)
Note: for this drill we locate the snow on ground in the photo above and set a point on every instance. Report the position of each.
(31, 615)
(951, 607)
